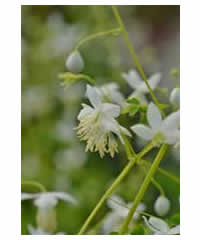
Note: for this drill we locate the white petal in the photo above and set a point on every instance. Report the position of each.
(109, 124)
(143, 131)
(174, 230)
(154, 80)
(125, 131)
(159, 224)
(65, 197)
(111, 109)
(133, 78)
(175, 97)
(85, 111)
(172, 136)
(140, 96)
(93, 95)
(154, 116)
(115, 202)
(172, 121)
(149, 225)
(26, 196)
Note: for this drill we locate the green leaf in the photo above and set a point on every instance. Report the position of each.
(138, 230)
(175, 219)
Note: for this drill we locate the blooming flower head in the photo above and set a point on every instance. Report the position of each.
(98, 125)
(110, 93)
(135, 81)
(167, 129)
(160, 227)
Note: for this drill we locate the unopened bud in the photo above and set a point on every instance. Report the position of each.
(162, 206)
(74, 62)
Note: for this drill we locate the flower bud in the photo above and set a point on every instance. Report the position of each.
(74, 62)
(162, 206)
(175, 97)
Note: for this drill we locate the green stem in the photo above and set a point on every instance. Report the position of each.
(164, 172)
(117, 181)
(96, 35)
(34, 184)
(155, 183)
(134, 56)
(144, 187)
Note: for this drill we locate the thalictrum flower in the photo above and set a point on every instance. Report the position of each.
(175, 97)
(98, 125)
(119, 212)
(167, 129)
(45, 203)
(162, 206)
(110, 93)
(160, 227)
(137, 83)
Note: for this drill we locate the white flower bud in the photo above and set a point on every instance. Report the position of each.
(74, 62)
(175, 97)
(162, 206)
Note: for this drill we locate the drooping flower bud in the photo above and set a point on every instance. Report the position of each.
(162, 206)
(74, 62)
(175, 97)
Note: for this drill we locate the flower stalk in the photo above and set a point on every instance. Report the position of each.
(144, 187)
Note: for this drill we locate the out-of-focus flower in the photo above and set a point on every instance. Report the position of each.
(162, 206)
(110, 93)
(175, 97)
(160, 227)
(35, 102)
(46, 202)
(97, 124)
(119, 211)
(71, 158)
(40, 231)
(140, 89)
(74, 62)
(167, 129)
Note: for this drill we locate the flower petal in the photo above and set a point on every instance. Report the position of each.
(65, 197)
(172, 121)
(85, 111)
(133, 78)
(175, 230)
(27, 196)
(149, 225)
(110, 109)
(143, 131)
(154, 116)
(159, 224)
(125, 131)
(93, 96)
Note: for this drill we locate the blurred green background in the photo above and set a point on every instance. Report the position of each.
(51, 152)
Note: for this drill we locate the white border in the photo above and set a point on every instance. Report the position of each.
(10, 117)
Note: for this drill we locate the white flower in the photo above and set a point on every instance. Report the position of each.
(48, 199)
(74, 62)
(162, 206)
(97, 124)
(46, 202)
(138, 84)
(110, 93)
(160, 227)
(175, 97)
(40, 231)
(119, 212)
(167, 129)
